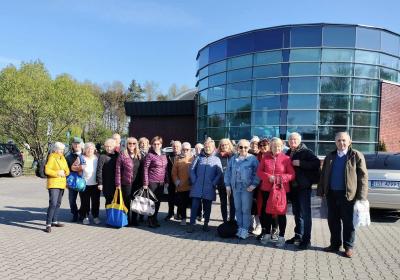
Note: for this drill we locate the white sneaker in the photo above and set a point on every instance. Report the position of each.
(86, 221)
(281, 242)
(244, 234)
(265, 239)
(183, 222)
(238, 232)
(257, 230)
(274, 236)
(97, 221)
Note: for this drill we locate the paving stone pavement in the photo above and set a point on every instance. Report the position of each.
(80, 251)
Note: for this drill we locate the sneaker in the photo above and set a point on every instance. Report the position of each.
(243, 234)
(86, 221)
(257, 230)
(304, 245)
(294, 240)
(168, 217)
(57, 224)
(183, 222)
(48, 229)
(200, 219)
(265, 239)
(177, 217)
(206, 228)
(274, 236)
(281, 242)
(96, 221)
(190, 229)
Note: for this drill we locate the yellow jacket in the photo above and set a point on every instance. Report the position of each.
(180, 172)
(55, 163)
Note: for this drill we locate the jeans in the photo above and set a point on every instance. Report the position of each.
(223, 198)
(243, 202)
(91, 194)
(55, 197)
(72, 195)
(195, 208)
(301, 206)
(340, 210)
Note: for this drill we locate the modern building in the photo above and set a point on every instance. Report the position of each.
(315, 79)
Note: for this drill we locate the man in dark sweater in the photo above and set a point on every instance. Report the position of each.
(176, 151)
(344, 180)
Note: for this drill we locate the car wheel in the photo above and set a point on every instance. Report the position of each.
(16, 170)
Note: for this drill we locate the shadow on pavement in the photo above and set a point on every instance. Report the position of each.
(384, 216)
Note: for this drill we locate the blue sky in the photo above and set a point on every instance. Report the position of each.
(105, 41)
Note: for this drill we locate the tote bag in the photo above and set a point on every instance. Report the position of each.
(277, 203)
(142, 204)
(117, 212)
(76, 182)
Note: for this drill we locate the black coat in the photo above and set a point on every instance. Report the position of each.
(106, 173)
(309, 170)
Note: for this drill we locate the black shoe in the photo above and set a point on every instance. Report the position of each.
(74, 218)
(168, 217)
(150, 222)
(48, 229)
(294, 240)
(304, 245)
(331, 249)
(206, 228)
(57, 224)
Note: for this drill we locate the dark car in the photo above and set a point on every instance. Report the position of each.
(11, 160)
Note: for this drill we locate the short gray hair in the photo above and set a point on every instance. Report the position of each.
(340, 133)
(58, 146)
(295, 134)
(88, 145)
(186, 145)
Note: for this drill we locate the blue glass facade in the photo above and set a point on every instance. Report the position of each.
(315, 79)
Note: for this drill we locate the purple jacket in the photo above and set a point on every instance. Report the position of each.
(155, 168)
(126, 170)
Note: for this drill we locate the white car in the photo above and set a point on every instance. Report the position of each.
(383, 180)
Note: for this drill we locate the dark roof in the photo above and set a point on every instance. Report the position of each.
(160, 108)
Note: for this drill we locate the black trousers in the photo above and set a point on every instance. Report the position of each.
(91, 194)
(158, 190)
(267, 220)
(182, 201)
(223, 198)
(171, 199)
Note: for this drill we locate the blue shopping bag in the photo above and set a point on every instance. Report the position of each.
(117, 213)
(76, 182)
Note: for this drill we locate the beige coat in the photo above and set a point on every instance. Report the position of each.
(181, 173)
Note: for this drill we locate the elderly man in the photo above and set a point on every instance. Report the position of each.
(344, 180)
(176, 151)
(306, 166)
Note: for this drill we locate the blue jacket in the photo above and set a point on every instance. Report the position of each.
(205, 172)
(241, 173)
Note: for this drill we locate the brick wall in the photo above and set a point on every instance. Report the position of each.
(390, 117)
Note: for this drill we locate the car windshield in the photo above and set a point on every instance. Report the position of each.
(385, 161)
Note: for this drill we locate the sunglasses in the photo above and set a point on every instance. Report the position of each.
(132, 143)
(263, 145)
(243, 147)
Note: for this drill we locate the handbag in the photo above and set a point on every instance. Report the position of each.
(117, 212)
(227, 229)
(142, 204)
(361, 215)
(76, 182)
(277, 202)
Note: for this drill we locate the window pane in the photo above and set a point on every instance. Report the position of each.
(367, 87)
(216, 133)
(202, 122)
(365, 119)
(337, 55)
(268, 86)
(217, 67)
(306, 132)
(364, 134)
(367, 57)
(238, 119)
(235, 105)
(267, 57)
(305, 55)
(389, 61)
(268, 71)
(335, 85)
(265, 131)
(270, 102)
(269, 39)
(216, 120)
(309, 36)
(241, 44)
(301, 118)
(387, 74)
(203, 110)
(303, 69)
(337, 69)
(216, 107)
(217, 79)
(390, 43)
(203, 58)
(239, 75)
(202, 96)
(217, 51)
(237, 133)
(265, 118)
(364, 148)
(332, 118)
(203, 73)
(326, 148)
(203, 84)
(216, 93)
(302, 101)
(327, 133)
(303, 85)
(334, 101)
(240, 62)
(339, 36)
(368, 38)
(365, 103)
(369, 71)
(239, 90)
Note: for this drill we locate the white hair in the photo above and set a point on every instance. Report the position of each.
(254, 139)
(58, 146)
(186, 145)
(337, 135)
(88, 145)
(295, 135)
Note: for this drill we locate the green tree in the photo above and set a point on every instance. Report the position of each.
(135, 92)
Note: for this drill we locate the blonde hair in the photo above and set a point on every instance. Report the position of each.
(136, 151)
(87, 146)
(230, 145)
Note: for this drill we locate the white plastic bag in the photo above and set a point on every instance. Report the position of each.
(361, 213)
(142, 204)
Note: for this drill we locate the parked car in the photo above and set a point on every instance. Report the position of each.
(383, 180)
(11, 160)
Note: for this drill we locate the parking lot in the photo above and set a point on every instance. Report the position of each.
(97, 252)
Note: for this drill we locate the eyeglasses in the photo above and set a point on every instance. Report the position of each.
(243, 147)
(132, 143)
(263, 145)
(156, 144)
(185, 149)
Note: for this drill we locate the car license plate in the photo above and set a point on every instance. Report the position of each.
(385, 184)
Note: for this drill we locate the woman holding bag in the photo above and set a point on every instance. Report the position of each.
(126, 170)
(275, 168)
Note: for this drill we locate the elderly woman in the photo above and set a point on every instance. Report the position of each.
(198, 148)
(105, 172)
(155, 175)
(181, 176)
(254, 148)
(275, 167)
(126, 170)
(225, 152)
(91, 193)
(241, 180)
(144, 145)
(56, 170)
(205, 173)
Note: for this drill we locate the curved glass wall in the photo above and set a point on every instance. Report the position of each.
(315, 79)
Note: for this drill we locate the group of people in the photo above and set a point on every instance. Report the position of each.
(244, 175)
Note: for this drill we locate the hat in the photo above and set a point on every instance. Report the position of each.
(77, 140)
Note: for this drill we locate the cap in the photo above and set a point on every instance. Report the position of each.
(77, 140)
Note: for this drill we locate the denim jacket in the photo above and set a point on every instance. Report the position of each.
(241, 173)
